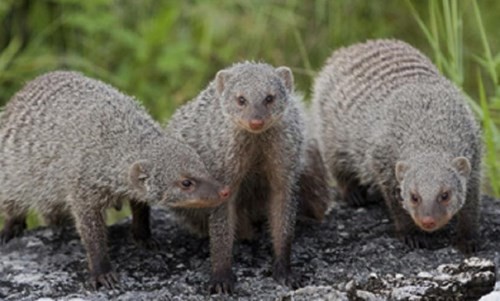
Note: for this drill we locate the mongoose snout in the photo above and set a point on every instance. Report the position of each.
(225, 192)
(256, 124)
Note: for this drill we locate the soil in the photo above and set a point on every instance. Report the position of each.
(352, 255)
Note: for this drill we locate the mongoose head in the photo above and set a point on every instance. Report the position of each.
(433, 188)
(254, 95)
(176, 177)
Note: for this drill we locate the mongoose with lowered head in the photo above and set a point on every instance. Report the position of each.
(388, 122)
(248, 128)
(69, 143)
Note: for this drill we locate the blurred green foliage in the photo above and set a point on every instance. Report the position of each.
(165, 52)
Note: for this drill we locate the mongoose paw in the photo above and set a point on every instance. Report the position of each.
(417, 240)
(285, 277)
(108, 280)
(288, 280)
(9, 232)
(222, 284)
(467, 246)
(355, 197)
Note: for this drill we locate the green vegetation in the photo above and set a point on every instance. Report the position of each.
(445, 33)
(165, 52)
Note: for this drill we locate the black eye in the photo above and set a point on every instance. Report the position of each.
(241, 100)
(269, 99)
(414, 198)
(186, 183)
(444, 197)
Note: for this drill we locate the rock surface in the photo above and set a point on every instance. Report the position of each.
(353, 255)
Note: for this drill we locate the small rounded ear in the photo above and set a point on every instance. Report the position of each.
(137, 174)
(220, 79)
(462, 165)
(287, 76)
(401, 168)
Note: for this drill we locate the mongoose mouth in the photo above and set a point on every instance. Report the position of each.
(198, 203)
(213, 199)
(257, 129)
(254, 126)
(430, 224)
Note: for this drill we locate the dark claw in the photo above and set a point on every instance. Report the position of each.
(285, 277)
(288, 280)
(222, 285)
(4, 237)
(417, 241)
(108, 280)
(468, 247)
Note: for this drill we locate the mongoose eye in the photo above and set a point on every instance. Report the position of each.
(241, 100)
(414, 198)
(186, 184)
(269, 99)
(444, 197)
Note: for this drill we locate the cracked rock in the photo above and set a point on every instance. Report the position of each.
(352, 255)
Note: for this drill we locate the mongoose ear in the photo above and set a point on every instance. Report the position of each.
(401, 168)
(137, 174)
(287, 76)
(220, 79)
(462, 165)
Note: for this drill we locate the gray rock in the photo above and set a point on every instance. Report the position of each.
(351, 256)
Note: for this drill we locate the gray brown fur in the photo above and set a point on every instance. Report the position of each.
(71, 144)
(260, 166)
(314, 194)
(388, 122)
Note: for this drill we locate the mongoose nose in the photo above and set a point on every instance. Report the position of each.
(256, 124)
(428, 222)
(225, 192)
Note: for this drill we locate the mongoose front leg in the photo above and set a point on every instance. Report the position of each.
(222, 230)
(13, 227)
(405, 228)
(281, 216)
(92, 228)
(141, 230)
(467, 229)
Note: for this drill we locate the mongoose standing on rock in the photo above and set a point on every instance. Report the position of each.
(69, 143)
(248, 128)
(388, 122)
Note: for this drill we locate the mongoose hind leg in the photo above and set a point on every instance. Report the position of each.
(282, 214)
(222, 227)
(468, 240)
(245, 228)
(93, 232)
(13, 227)
(352, 192)
(314, 191)
(57, 221)
(141, 230)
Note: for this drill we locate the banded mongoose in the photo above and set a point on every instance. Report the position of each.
(248, 127)
(389, 123)
(73, 144)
